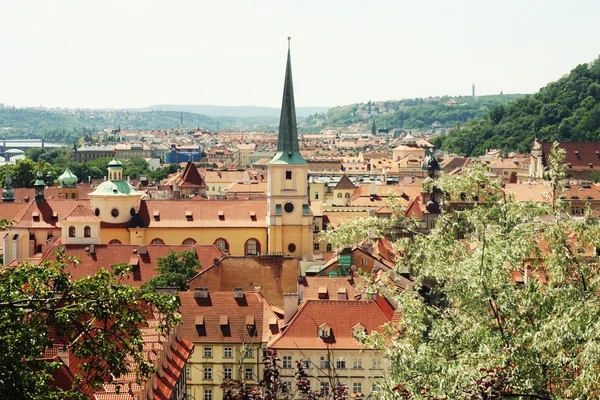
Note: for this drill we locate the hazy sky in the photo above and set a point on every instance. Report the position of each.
(120, 53)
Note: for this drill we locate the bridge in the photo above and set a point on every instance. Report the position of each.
(12, 147)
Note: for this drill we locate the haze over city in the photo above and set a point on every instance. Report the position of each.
(122, 54)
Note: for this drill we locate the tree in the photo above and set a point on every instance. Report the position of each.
(512, 311)
(34, 153)
(354, 231)
(174, 270)
(97, 316)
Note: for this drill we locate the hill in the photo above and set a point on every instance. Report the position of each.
(67, 125)
(421, 113)
(236, 111)
(567, 110)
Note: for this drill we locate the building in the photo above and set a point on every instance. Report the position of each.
(323, 334)
(229, 330)
(179, 154)
(289, 218)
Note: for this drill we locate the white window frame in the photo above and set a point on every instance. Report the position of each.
(286, 362)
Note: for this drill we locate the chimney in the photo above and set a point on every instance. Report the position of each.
(201, 293)
(341, 294)
(238, 293)
(373, 190)
(258, 289)
(290, 305)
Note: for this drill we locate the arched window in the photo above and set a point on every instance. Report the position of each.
(157, 241)
(115, 241)
(328, 246)
(87, 232)
(339, 196)
(222, 245)
(252, 247)
(73, 195)
(347, 195)
(189, 241)
(71, 231)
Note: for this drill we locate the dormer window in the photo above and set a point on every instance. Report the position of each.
(188, 216)
(221, 216)
(36, 216)
(358, 330)
(253, 215)
(324, 331)
(250, 325)
(156, 216)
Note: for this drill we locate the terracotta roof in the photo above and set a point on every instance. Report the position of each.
(578, 155)
(528, 192)
(340, 315)
(345, 184)
(331, 284)
(414, 209)
(81, 213)
(8, 211)
(107, 255)
(191, 177)
(275, 275)
(221, 304)
(24, 195)
(211, 213)
(47, 214)
(167, 382)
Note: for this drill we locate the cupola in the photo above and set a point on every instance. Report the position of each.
(39, 186)
(68, 179)
(115, 170)
(8, 194)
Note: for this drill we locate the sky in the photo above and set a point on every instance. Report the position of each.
(137, 53)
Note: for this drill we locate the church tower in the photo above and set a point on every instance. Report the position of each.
(67, 185)
(289, 218)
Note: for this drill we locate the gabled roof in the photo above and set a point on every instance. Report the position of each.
(81, 213)
(47, 214)
(340, 315)
(332, 284)
(191, 177)
(345, 184)
(414, 209)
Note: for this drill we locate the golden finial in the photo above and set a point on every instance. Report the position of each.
(289, 39)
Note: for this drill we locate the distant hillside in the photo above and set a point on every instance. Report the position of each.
(67, 125)
(444, 112)
(567, 110)
(236, 111)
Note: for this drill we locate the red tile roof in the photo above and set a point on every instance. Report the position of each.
(312, 284)
(172, 214)
(578, 155)
(345, 184)
(81, 213)
(107, 255)
(191, 177)
(45, 213)
(340, 315)
(414, 209)
(218, 305)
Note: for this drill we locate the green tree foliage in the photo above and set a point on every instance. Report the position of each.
(511, 311)
(174, 270)
(101, 318)
(567, 110)
(410, 113)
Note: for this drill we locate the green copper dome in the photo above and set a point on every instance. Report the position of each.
(115, 188)
(67, 179)
(115, 164)
(40, 179)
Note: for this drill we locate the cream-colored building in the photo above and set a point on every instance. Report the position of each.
(323, 335)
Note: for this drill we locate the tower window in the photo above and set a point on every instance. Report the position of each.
(87, 232)
(71, 231)
(288, 207)
(291, 247)
(97, 212)
(114, 212)
(288, 175)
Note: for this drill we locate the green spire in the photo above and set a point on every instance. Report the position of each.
(288, 151)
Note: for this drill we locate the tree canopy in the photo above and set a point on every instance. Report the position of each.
(510, 311)
(97, 316)
(174, 270)
(567, 110)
